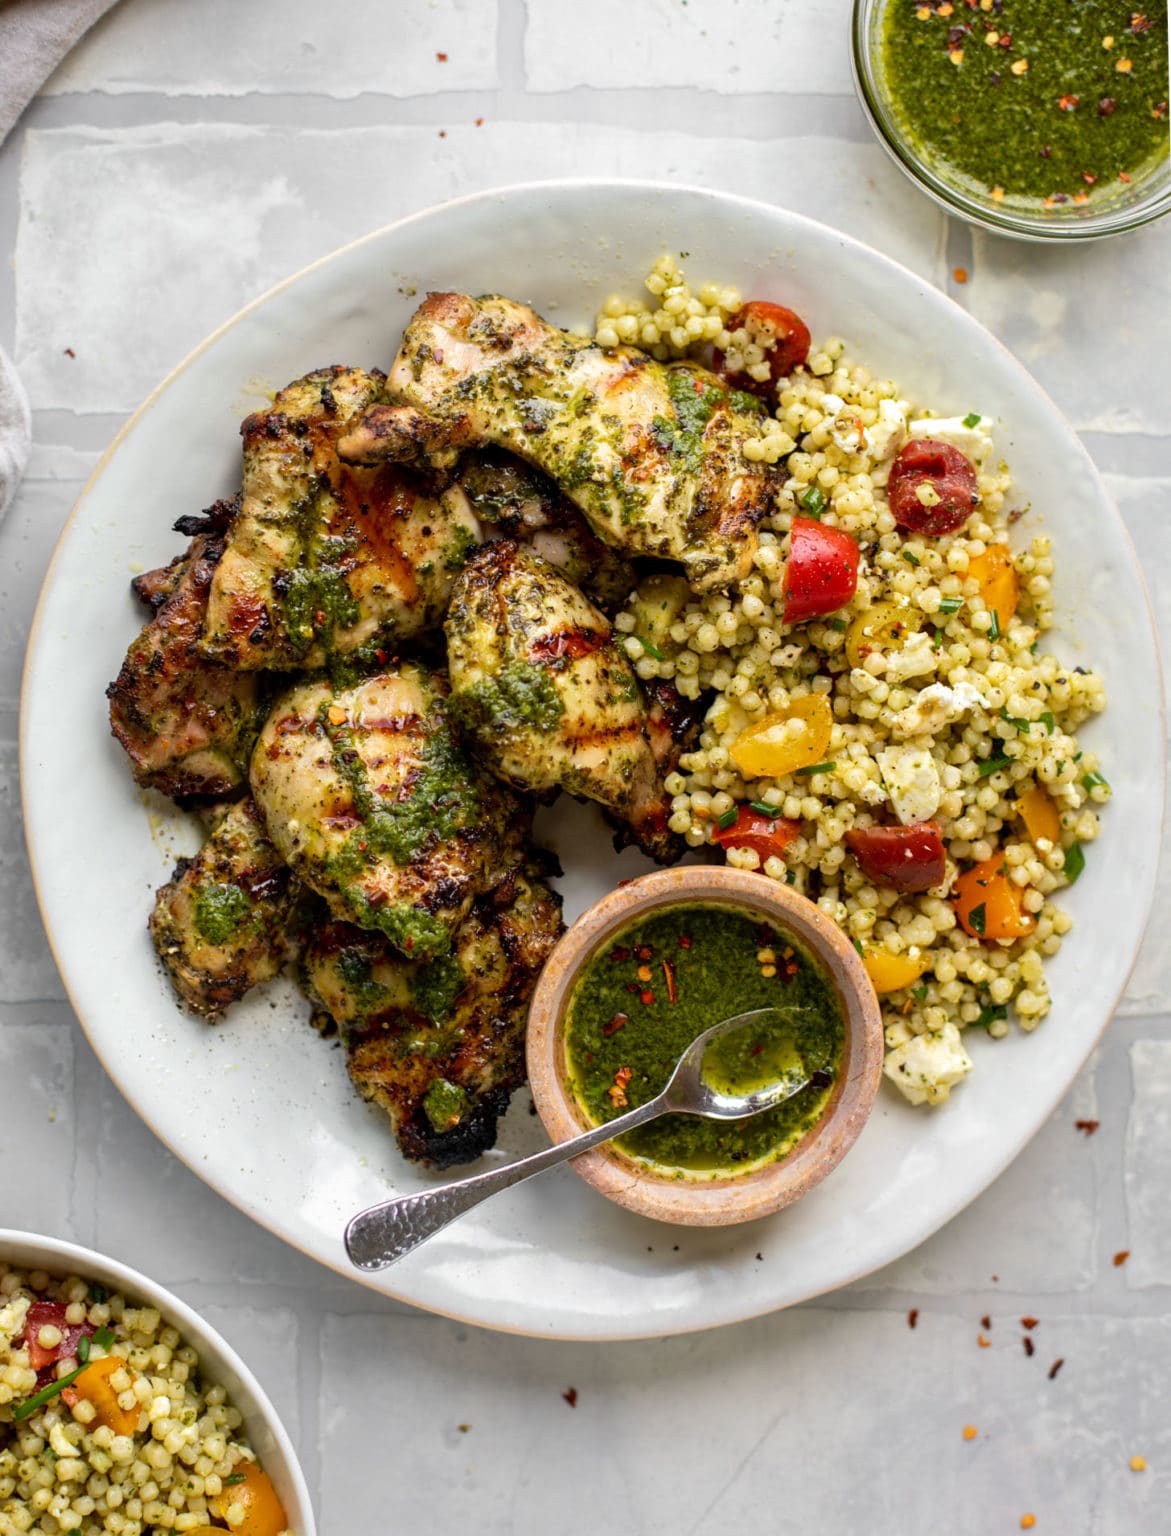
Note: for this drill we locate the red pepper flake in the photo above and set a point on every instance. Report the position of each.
(1122, 176)
(669, 978)
(913, 1317)
(684, 941)
(1069, 103)
(983, 1342)
(1140, 23)
(1086, 1127)
(1029, 1322)
(1121, 1257)
(644, 953)
(408, 943)
(570, 1396)
(959, 274)
(618, 954)
(986, 1323)
(646, 998)
(1046, 151)
(1056, 1366)
(443, 133)
(442, 57)
(479, 122)
(1030, 1347)
(619, 1021)
(319, 617)
(380, 658)
(633, 987)
(617, 1093)
(69, 352)
(1107, 106)
(756, 1050)
(1159, 111)
(1088, 179)
(1006, 39)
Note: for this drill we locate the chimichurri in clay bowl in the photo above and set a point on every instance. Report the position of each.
(1043, 119)
(642, 974)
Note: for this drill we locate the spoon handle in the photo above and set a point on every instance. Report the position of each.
(384, 1233)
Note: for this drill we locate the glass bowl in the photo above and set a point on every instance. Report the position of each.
(1127, 207)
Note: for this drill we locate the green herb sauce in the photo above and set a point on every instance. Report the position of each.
(519, 695)
(710, 955)
(219, 911)
(1027, 97)
(435, 987)
(694, 407)
(444, 1104)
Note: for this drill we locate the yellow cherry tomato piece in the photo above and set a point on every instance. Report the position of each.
(1036, 809)
(264, 1514)
(786, 740)
(1000, 586)
(891, 972)
(988, 905)
(883, 627)
(93, 1386)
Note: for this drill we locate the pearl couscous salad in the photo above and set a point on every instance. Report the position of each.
(106, 1425)
(886, 730)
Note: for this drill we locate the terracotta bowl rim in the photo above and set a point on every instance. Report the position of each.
(739, 1197)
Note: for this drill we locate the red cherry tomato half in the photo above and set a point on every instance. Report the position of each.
(822, 572)
(45, 1313)
(932, 487)
(766, 835)
(907, 858)
(783, 335)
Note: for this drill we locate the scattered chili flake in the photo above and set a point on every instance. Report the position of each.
(380, 658)
(1107, 106)
(684, 941)
(463, 1428)
(443, 133)
(1081, 198)
(1056, 1366)
(617, 1092)
(1006, 39)
(619, 1021)
(986, 1323)
(479, 122)
(1159, 111)
(69, 352)
(1029, 1322)
(1088, 178)
(618, 954)
(570, 1396)
(970, 1431)
(646, 998)
(1030, 1347)
(956, 35)
(960, 274)
(1086, 1127)
(1122, 176)
(643, 973)
(1046, 151)
(1028, 1522)
(983, 1342)
(669, 978)
(408, 942)
(1121, 1257)
(442, 57)
(1138, 1463)
(1140, 23)
(913, 1317)
(1069, 103)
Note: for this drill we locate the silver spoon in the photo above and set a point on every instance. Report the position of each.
(384, 1233)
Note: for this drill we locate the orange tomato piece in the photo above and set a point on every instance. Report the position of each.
(888, 972)
(1000, 586)
(1036, 809)
(786, 740)
(264, 1514)
(988, 905)
(93, 1386)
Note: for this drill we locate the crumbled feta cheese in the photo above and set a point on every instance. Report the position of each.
(912, 781)
(936, 706)
(851, 436)
(975, 441)
(889, 430)
(914, 659)
(926, 1068)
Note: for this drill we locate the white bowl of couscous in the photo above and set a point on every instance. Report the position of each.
(122, 1411)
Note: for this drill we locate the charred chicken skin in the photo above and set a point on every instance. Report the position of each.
(440, 1045)
(187, 724)
(368, 798)
(545, 697)
(325, 560)
(651, 453)
(221, 924)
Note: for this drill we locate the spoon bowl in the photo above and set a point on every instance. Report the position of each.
(689, 1092)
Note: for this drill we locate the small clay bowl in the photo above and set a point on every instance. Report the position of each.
(706, 1201)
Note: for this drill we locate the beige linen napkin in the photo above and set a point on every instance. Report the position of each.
(35, 35)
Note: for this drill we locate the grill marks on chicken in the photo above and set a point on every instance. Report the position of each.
(187, 725)
(370, 801)
(326, 560)
(440, 1046)
(649, 452)
(222, 923)
(544, 695)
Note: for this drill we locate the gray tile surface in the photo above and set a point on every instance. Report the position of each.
(185, 157)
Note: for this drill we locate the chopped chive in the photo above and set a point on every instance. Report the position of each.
(815, 768)
(972, 419)
(919, 994)
(790, 877)
(30, 1405)
(839, 624)
(98, 1293)
(1075, 862)
(910, 558)
(83, 1349)
(994, 627)
(651, 650)
(1048, 722)
(764, 808)
(1033, 647)
(976, 918)
(728, 819)
(1094, 781)
(857, 943)
(236, 1477)
(989, 1015)
(813, 500)
(951, 604)
(1013, 720)
(939, 639)
(993, 765)
(104, 1338)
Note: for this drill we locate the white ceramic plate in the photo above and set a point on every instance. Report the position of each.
(259, 1107)
(219, 1361)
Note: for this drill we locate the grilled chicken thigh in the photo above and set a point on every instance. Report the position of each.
(515, 501)
(222, 923)
(650, 452)
(326, 560)
(544, 695)
(368, 798)
(440, 1046)
(187, 724)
